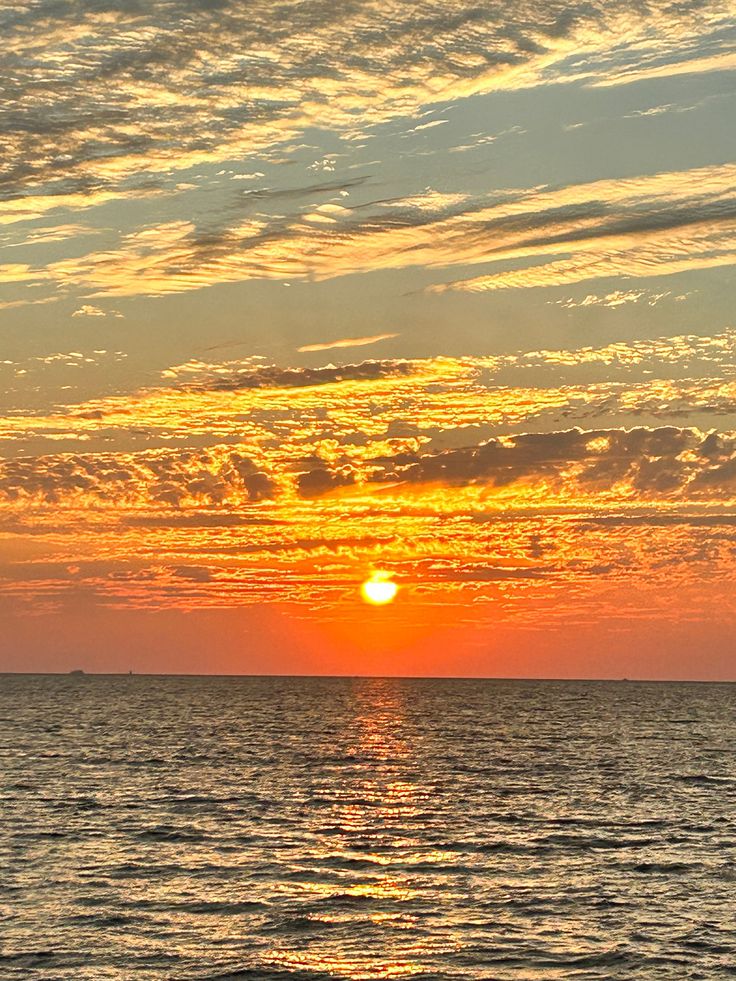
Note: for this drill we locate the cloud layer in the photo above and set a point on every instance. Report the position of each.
(648, 226)
(104, 97)
(130, 103)
(242, 483)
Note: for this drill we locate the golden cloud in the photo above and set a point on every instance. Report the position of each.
(260, 484)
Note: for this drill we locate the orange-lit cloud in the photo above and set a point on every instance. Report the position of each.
(246, 484)
(345, 342)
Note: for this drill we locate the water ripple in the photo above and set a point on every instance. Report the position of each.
(191, 829)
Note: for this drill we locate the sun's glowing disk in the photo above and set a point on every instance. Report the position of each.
(379, 589)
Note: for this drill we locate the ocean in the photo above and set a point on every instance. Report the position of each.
(270, 829)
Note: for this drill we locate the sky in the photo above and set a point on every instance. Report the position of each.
(294, 294)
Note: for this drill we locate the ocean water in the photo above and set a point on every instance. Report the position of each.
(307, 829)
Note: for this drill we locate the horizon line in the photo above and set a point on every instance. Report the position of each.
(80, 672)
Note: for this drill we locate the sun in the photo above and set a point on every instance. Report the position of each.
(379, 590)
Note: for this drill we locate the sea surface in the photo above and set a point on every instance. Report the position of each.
(270, 829)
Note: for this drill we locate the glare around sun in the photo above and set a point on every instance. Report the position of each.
(379, 590)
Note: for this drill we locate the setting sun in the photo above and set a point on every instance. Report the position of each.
(379, 589)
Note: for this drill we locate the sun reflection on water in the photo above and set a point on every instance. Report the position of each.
(375, 814)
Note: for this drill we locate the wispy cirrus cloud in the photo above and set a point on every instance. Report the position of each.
(660, 67)
(647, 226)
(105, 101)
(618, 298)
(345, 342)
(239, 375)
(640, 227)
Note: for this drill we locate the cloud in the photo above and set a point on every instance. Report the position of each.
(617, 298)
(47, 235)
(714, 352)
(706, 247)
(608, 464)
(241, 482)
(578, 511)
(649, 225)
(637, 462)
(247, 483)
(282, 411)
(662, 68)
(346, 342)
(236, 375)
(15, 304)
(67, 359)
(88, 310)
(106, 102)
(163, 478)
(313, 483)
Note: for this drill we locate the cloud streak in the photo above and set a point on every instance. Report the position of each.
(345, 342)
(640, 227)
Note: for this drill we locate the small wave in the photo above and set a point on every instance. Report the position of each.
(215, 907)
(219, 907)
(703, 779)
(262, 974)
(169, 834)
(112, 920)
(665, 868)
(606, 958)
(300, 924)
(27, 955)
(508, 847)
(347, 862)
(591, 842)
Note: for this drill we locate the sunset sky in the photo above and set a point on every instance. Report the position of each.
(298, 292)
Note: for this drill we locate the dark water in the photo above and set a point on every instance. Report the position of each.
(183, 828)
